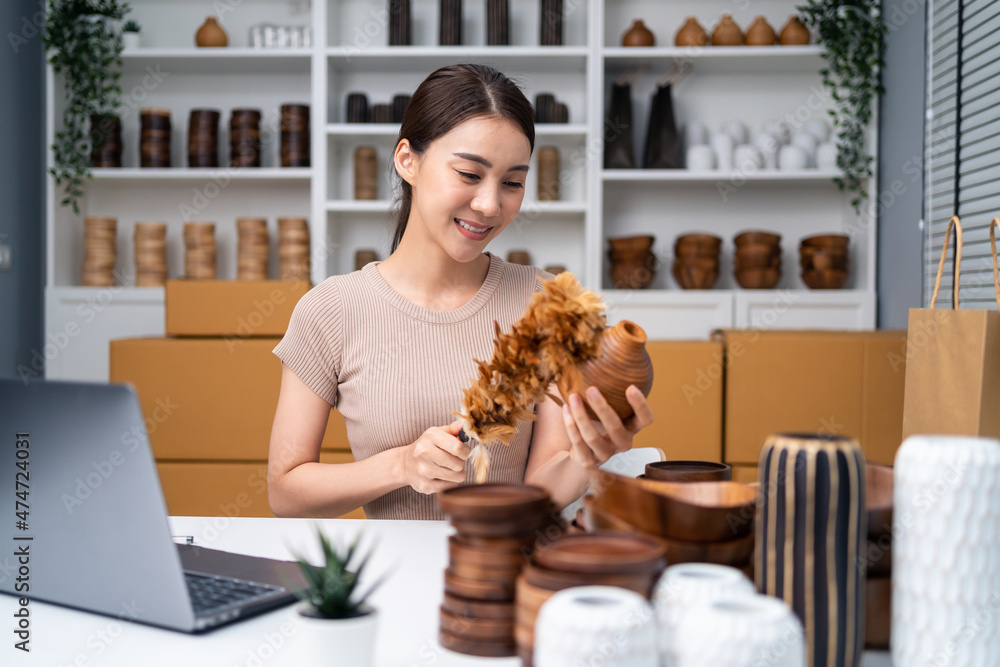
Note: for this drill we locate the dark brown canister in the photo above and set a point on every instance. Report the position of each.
(399, 104)
(203, 138)
(154, 138)
(105, 140)
(357, 108)
(381, 113)
(548, 173)
(450, 28)
(497, 22)
(365, 179)
(551, 23)
(244, 138)
(295, 136)
(399, 23)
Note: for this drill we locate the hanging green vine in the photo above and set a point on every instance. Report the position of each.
(851, 32)
(85, 46)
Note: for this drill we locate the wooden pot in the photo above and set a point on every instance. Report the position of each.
(691, 34)
(638, 35)
(211, 34)
(727, 33)
(760, 33)
(794, 33)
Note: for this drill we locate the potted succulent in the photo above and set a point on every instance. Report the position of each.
(336, 617)
(84, 45)
(851, 32)
(130, 35)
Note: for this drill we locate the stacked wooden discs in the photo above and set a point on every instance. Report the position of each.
(105, 140)
(154, 138)
(244, 138)
(99, 251)
(496, 526)
(295, 135)
(150, 243)
(548, 173)
(293, 248)
(626, 560)
(203, 138)
(365, 179)
(251, 249)
(199, 250)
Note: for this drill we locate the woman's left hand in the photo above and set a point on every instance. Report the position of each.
(592, 443)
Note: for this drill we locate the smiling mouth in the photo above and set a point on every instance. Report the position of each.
(474, 230)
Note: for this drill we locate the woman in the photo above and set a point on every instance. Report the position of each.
(393, 345)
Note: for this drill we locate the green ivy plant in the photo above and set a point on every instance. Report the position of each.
(84, 45)
(852, 33)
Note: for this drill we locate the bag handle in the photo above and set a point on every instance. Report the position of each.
(994, 226)
(957, 224)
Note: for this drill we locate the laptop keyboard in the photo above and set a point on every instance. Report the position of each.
(210, 593)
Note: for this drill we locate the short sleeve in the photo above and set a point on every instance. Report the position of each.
(311, 347)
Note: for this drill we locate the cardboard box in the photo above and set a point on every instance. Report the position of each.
(686, 399)
(845, 383)
(233, 308)
(225, 489)
(208, 398)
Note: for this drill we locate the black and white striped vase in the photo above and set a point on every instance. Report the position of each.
(811, 535)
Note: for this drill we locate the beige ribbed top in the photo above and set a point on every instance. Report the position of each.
(394, 369)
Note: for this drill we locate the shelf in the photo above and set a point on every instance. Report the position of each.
(685, 176)
(186, 174)
(716, 59)
(424, 59)
(528, 208)
(542, 130)
(218, 61)
(122, 294)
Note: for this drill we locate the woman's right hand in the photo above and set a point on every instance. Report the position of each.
(436, 461)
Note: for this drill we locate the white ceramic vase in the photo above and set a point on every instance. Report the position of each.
(130, 41)
(946, 552)
(342, 641)
(741, 631)
(602, 625)
(687, 586)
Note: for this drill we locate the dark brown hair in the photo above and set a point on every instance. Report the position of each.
(449, 97)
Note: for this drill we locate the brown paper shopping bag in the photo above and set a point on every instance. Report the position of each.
(952, 381)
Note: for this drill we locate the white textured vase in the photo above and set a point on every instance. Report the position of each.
(946, 552)
(602, 625)
(741, 631)
(689, 585)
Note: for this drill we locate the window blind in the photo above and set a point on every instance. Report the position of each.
(962, 146)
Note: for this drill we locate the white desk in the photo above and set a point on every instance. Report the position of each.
(413, 552)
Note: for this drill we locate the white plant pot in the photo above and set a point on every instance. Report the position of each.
(343, 641)
(131, 40)
(946, 552)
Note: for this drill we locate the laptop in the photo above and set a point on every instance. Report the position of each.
(86, 517)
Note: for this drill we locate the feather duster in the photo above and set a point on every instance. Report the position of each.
(561, 327)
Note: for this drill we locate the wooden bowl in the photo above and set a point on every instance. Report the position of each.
(477, 608)
(514, 554)
(493, 502)
(757, 278)
(756, 236)
(821, 240)
(700, 240)
(693, 511)
(472, 589)
(642, 244)
(695, 251)
(689, 471)
(484, 573)
(603, 553)
(878, 499)
(828, 279)
(557, 580)
(694, 277)
(878, 612)
(497, 630)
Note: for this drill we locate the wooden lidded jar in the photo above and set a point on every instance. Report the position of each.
(727, 33)
(623, 360)
(691, 34)
(639, 35)
(760, 33)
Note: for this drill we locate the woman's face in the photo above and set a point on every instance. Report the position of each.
(468, 185)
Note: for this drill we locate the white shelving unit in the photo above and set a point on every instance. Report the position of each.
(350, 54)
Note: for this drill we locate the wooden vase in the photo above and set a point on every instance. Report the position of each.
(727, 33)
(794, 33)
(639, 35)
(548, 173)
(760, 33)
(691, 34)
(211, 34)
(622, 361)
(811, 538)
